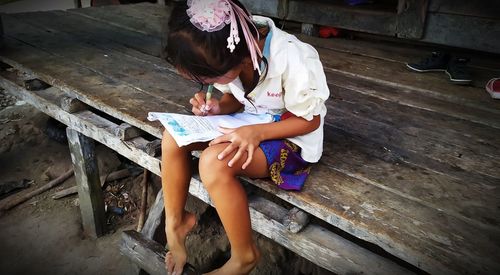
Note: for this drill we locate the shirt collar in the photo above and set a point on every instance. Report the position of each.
(274, 50)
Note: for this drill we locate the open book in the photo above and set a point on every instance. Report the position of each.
(186, 129)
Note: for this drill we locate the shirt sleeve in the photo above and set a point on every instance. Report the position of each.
(304, 82)
(224, 88)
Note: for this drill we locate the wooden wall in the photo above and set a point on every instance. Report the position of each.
(458, 23)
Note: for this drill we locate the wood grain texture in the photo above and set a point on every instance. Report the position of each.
(90, 195)
(155, 217)
(409, 161)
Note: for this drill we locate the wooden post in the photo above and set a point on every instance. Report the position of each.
(88, 182)
(154, 218)
(161, 2)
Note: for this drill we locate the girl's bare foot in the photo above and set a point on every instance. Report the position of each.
(176, 236)
(237, 266)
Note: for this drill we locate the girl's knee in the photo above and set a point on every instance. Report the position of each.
(168, 143)
(212, 169)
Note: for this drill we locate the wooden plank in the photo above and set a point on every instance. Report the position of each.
(481, 115)
(147, 254)
(411, 18)
(72, 105)
(144, 47)
(450, 194)
(271, 8)
(323, 257)
(485, 8)
(86, 122)
(359, 208)
(130, 17)
(482, 66)
(415, 78)
(89, 185)
(442, 27)
(126, 131)
(390, 73)
(415, 205)
(432, 93)
(478, 62)
(424, 236)
(155, 217)
(314, 242)
(92, 88)
(143, 76)
(472, 158)
(85, 26)
(323, 13)
(350, 45)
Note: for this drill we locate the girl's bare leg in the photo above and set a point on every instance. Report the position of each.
(231, 203)
(176, 175)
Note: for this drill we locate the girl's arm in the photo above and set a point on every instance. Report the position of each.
(247, 138)
(228, 104)
(291, 127)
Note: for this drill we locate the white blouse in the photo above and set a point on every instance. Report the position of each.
(295, 82)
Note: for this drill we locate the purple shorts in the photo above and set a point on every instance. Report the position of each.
(286, 167)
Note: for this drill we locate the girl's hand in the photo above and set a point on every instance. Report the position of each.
(243, 139)
(202, 108)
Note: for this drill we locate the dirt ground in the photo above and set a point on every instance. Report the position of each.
(44, 235)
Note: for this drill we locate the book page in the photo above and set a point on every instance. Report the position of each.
(186, 129)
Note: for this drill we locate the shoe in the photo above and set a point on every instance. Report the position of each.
(458, 71)
(437, 62)
(493, 88)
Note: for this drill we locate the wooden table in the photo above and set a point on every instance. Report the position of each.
(409, 180)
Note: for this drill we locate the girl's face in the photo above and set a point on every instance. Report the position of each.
(223, 79)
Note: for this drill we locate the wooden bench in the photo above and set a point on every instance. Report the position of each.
(408, 181)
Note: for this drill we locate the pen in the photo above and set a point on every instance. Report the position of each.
(207, 98)
(209, 92)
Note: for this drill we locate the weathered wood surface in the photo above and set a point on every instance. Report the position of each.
(155, 217)
(82, 151)
(147, 254)
(409, 160)
(483, 67)
(485, 8)
(314, 242)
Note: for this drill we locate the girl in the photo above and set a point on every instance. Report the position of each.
(261, 69)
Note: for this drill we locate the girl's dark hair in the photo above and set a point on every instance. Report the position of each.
(200, 53)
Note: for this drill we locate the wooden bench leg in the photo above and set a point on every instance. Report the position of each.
(87, 180)
(154, 218)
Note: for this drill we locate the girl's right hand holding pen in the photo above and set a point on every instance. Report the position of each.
(202, 107)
